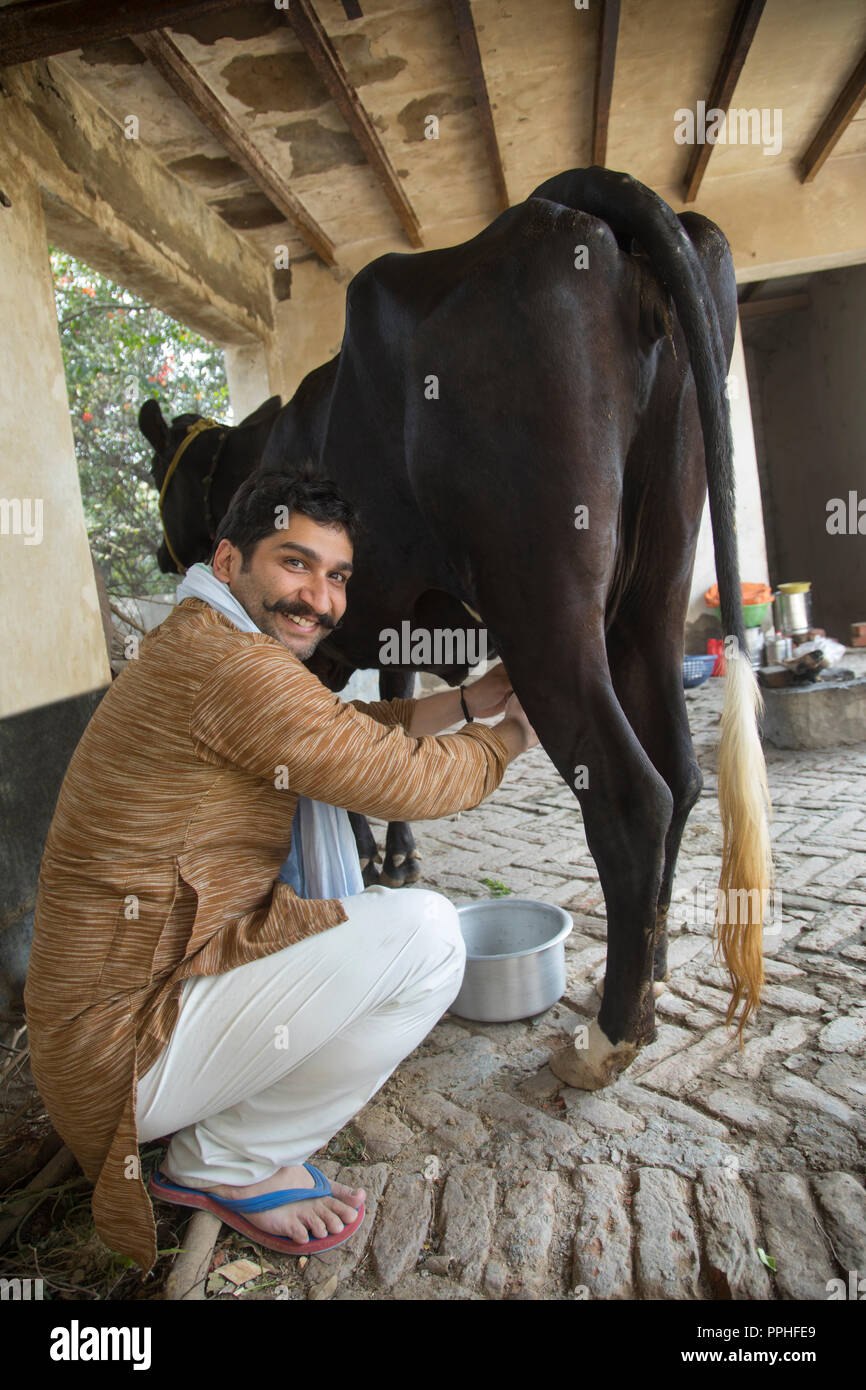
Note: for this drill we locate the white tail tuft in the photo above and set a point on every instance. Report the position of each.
(747, 867)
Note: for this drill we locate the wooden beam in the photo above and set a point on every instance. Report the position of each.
(750, 290)
(737, 45)
(306, 24)
(837, 120)
(605, 60)
(34, 29)
(472, 54)
(757, 308)
(194, 91)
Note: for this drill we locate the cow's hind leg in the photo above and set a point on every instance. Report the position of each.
(646, 668)
(570, 701)
(627, 810)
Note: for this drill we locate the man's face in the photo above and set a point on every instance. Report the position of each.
(298, 572)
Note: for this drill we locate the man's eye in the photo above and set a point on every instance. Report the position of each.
(342, 577)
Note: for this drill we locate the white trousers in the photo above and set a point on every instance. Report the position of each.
(270, 1060)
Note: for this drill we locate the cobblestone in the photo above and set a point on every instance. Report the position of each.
(732, 1265)
(843, 1207)
(466, 1220)
(383, 1134)
(401, 1230)
(522, 1237)
(668, 1259)
(793, 1236)
(602, 1239)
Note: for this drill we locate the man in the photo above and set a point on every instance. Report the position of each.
(178, 984)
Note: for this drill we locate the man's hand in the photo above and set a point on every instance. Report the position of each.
(487, 696)
(516, 726)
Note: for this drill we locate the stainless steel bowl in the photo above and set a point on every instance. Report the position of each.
(515, 958)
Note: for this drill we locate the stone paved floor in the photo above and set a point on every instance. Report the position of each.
(487, 1178)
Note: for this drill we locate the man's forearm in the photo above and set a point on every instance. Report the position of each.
(433, 713)
(436, 712)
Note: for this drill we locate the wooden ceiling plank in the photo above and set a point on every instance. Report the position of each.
(305, 22)
(837, 120)
(605, 61)
(180, 74)
(780, 304)
(749, 291)
(734, 54)
(472, 55)
(34, 29)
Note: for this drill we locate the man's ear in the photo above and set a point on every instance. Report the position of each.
(221, 559)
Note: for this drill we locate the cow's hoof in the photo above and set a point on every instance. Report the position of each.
(400, 870)
(596, 1065)
(393, 876)
(370, 874)
(659, 987)
(413, 868)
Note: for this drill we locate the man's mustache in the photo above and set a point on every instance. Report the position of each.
(300, 610)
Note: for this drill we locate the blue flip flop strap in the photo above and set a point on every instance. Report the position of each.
(267, 1200)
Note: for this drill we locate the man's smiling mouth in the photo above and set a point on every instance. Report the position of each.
(301, 624)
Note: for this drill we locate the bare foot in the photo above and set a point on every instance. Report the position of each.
(300, 1221)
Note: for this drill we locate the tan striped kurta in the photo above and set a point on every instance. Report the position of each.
(161, 861)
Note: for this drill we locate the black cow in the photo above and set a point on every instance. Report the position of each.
(529, 423)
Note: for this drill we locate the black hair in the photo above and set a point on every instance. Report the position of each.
(252, 512)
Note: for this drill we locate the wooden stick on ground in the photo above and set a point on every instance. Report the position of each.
(20, 1204)
(188, 1278)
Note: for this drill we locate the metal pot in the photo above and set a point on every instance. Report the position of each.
(779, 649)
(793, 609)
(515, 958)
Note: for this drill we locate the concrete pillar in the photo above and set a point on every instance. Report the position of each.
(51, 624)
(55, 663)
(247, 375)
(750, 520)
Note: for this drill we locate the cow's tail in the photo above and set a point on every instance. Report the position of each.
(632, 210)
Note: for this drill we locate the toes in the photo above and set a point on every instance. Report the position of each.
(353, 1195)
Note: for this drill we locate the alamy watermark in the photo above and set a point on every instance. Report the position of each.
(22, 516)
(737, 126)
(438, 646)
(21, 1290)
(702, 907)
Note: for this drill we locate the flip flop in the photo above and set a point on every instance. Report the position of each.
(229, 1209)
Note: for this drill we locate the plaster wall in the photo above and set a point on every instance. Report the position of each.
(308, 327)
(806, 368)
(247, 376)
(751, 545)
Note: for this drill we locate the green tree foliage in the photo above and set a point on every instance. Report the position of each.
(117, 351)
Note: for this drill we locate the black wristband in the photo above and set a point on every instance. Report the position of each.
(469, 717)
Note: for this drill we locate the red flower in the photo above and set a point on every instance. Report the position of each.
(86, 417)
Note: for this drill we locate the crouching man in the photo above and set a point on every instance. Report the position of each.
(187, 978)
